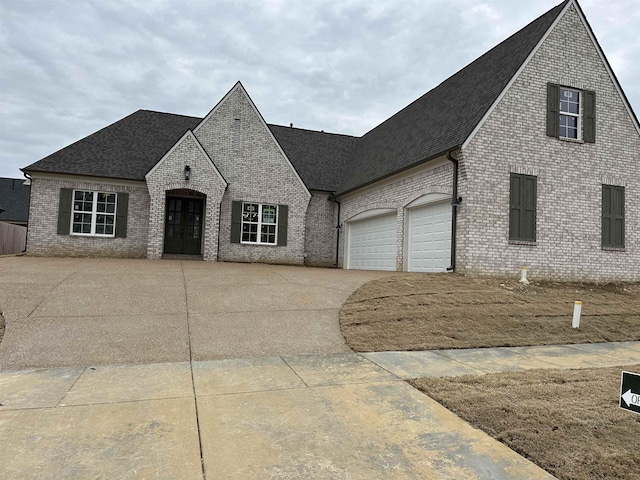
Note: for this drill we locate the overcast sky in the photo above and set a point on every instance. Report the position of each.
(69, 68)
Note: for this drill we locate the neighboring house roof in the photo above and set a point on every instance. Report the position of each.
(14, 200)
(319, 158)
(444, 117)
(126, 149)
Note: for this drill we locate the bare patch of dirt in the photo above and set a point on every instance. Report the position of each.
(437, 311)
(566, 421)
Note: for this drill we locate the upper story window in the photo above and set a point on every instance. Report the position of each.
(94, 213)
(259, 223)
(571, 113)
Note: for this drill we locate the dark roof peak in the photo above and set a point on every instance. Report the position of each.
(322, 132)
(167, 113)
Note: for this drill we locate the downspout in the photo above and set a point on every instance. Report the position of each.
(455, 201)
(337, 235)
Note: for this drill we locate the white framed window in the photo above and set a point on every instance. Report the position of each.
(94, 213)
(259, 223)
(569, 113)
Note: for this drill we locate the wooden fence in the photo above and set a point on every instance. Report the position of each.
(13, 238)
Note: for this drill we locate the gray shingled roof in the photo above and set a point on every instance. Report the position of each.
(14, 200)
(439, 121)
(444, 117)
(130, 147)
(319, 158)
(126, 149)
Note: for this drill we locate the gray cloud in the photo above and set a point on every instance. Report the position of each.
(69, 68)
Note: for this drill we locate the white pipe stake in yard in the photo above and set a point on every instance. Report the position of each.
(577, 310)
(523, 276)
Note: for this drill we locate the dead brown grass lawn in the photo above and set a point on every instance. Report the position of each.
(436, 311)
(566, 421)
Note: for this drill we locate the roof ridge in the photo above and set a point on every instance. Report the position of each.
(312, 131)
(167, 113)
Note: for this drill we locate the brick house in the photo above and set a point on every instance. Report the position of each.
(527, 156)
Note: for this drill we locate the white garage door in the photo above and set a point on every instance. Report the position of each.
(372, 243)
(429, 238)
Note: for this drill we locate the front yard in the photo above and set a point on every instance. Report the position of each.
(566, 421)
(438, 311)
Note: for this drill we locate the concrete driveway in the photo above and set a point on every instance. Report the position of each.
(64, 312)
(149, 380)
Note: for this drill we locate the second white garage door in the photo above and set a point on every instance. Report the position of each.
(429, 241)
(372, 243)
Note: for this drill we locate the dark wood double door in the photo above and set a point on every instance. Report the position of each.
(183, 226)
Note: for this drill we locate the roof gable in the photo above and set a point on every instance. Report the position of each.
(238, 88)
(443, 118)
(187, 137)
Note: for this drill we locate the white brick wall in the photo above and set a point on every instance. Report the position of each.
(570, 175)
(435, 177)
(320, 231)
(256, 171)
(42, 236)
(168, 176)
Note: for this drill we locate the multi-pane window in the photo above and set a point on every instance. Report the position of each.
(94, 213)
(569, 113)
(522, 207)
(612, 216)
(259, 223)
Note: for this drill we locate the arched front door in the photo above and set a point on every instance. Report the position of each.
(183, 225)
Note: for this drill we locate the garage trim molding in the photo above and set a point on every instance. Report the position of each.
(428, 198)
(371, 213)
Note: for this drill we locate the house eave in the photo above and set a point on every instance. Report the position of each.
(83, 177)
(340, 194)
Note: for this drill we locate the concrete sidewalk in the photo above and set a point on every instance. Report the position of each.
(343, 415)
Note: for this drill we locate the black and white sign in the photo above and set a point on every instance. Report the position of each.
(630, 392)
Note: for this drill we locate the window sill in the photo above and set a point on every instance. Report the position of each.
(523, 242)
(614, 249)
(571, 140)
(89, 235)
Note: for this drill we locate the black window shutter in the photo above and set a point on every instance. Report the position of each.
(121, 215)
(514, 208)
(618, 213)
(589, 129)
(528, 225)
(64, 211)
(522, 207)
(236, 221)
(606, 215)
(283, 223)
(612, 216)
(553, 110)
